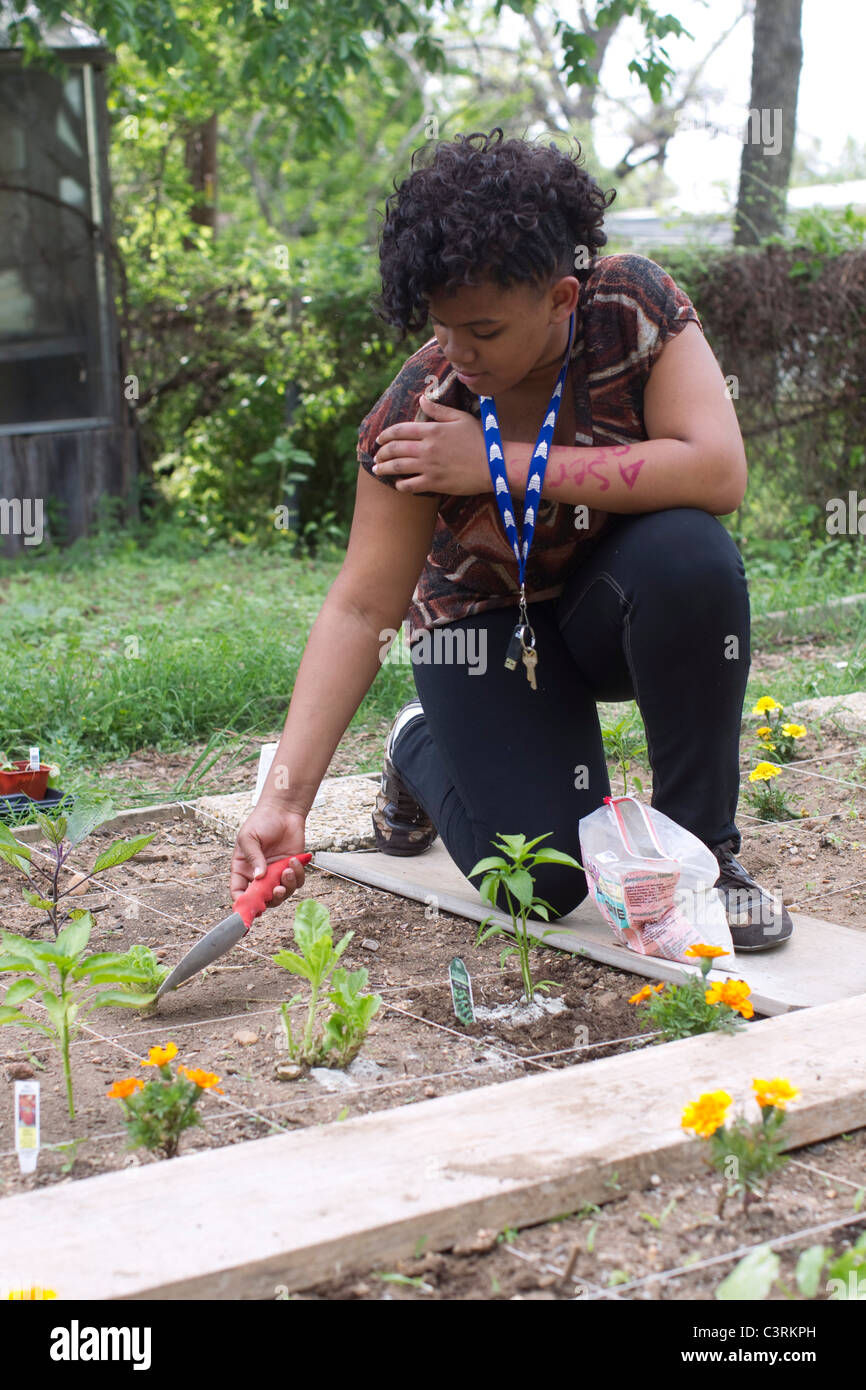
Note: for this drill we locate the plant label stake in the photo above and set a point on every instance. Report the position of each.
(461, 991)
(27, 1124)
(231, 929)
(34, 759)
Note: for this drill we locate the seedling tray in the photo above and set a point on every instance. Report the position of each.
(18, 804)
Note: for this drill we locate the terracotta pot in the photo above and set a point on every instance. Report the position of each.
(32, 784)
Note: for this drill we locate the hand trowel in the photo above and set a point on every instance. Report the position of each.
(229, 932)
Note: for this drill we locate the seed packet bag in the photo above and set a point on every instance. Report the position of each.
(653, 882)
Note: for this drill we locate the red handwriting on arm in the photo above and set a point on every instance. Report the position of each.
(574, 470)
(629, 471)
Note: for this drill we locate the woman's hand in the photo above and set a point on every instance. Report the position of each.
(445, 454)
(268, 833)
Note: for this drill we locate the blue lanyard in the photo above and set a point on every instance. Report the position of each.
(538, 465)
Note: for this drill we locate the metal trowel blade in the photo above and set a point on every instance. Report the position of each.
(213, 944)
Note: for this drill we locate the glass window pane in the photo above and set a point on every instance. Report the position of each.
(49, 310)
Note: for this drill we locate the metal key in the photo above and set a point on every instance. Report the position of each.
(530, 661)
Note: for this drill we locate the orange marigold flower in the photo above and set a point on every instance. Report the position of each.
(121, 1090)
(205, 1080)
(707, 1114)
(701, 952)
(160, 1056)
(776, 1092)
(658, 988)
(734, 993)
(641, 995)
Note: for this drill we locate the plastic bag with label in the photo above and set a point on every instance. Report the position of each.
(653, 881)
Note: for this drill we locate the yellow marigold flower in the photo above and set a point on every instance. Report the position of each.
(121, 1090)
(641, 995)
(160, 1056)
(658, 988)
(734, 993)
(707, 1114)
(764, 772)
(794, 730)
(776, 1092)
(767, 746)
(205, 1080)
(765, 704)
(701, 952)
(764, 731)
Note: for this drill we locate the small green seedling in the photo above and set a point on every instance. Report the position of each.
(626, 740)
(64, 833)
(59, 976)
(151, 972)
(515, 879)
(339, 1038)
(843, 1276)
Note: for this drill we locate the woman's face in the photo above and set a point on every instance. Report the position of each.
(501, 339)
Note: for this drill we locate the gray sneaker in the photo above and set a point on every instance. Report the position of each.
(400, 824)
(757, 921)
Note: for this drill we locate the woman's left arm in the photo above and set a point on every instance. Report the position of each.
(693, 457)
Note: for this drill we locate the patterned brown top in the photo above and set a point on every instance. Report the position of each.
(628, 308)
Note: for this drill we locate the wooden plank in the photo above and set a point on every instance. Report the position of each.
(823, 961)
(123, 821)
(236, 1222)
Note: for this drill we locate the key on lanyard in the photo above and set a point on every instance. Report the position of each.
(529, 657)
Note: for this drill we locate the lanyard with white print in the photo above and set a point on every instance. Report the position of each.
(521, 645)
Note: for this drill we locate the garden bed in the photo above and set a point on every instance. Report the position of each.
(228, 1022)
(416, 1048)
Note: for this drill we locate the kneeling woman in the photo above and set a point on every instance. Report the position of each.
(540, 486)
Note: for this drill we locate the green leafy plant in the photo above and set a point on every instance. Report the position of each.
(768, 799)
(332, 1040)
(64, 833)
(694, 1006)
(512, 871)
(746, 1152)
(625, 741)
(67, 983)
(346, 1028)
(843, 1276)
(158, 1112)
(150, 972)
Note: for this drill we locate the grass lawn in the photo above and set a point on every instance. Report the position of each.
(108, 649)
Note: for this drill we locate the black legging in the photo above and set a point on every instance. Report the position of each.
(659, 613)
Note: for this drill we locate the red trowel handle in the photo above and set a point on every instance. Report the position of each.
(253, 902)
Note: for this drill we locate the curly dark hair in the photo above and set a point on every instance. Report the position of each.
(504, 210)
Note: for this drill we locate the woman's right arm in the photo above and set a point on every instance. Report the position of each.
(388, 546)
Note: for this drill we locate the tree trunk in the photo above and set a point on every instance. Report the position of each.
(765, 167)
(201, 164)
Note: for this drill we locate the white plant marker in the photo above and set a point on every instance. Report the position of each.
(27, 1124)
(266, 757)
(34, 759)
